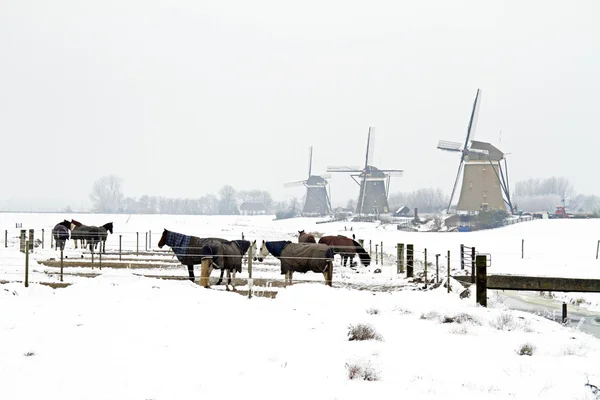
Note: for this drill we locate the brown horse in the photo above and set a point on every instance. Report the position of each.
(304, 237)
(347, 248)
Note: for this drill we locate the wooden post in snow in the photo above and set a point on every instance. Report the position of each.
(26, 263)
(22, 241)
(120, 237)
(410, 260)
(425, 274)
(522, 248)
(437, 268)
(376, 254)
(61, 263)
(400, 258)
(250, 255)
(42, 238)
(481, 284)
(448, 283)
(473, 264)
(564, 313)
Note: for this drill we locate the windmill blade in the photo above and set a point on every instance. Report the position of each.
(473, 120)
(460, 167)
(294, 184)
(449, 146)
(371, 146)
(343, 169)
(310, 161)
(393, 172)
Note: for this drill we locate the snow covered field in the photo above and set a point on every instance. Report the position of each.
(124, 336)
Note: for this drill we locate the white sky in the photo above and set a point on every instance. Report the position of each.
(180, 97)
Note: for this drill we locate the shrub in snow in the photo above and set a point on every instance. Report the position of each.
(504, 321)
(362, 370)
(460, 318)
(431, 315)
(526, 349)
(363, 332)
(29, 354)
(373, 311)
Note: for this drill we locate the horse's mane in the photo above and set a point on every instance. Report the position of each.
(276, 248)
(76, 223)
(108, 227)
(244, 245)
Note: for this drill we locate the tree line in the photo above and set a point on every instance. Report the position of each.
(107, 197)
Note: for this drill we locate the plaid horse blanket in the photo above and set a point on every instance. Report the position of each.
(187, 249)
(301, 257)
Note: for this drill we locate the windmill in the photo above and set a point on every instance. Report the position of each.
(374, 182)
(317, 197)
(485, 181)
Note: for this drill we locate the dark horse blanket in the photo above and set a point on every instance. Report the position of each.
(301, 257)
(187, 249)
(227, 255)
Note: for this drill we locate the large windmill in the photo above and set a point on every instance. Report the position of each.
(374, 182)
(317, 201)
(485, 181)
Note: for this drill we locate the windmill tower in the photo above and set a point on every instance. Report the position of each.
(374, 182)
(485, 182)
(317, 201)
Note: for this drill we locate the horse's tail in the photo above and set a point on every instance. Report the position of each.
(365, 258)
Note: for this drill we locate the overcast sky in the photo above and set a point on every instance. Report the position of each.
(181, 97)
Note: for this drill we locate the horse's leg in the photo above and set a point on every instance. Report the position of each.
(221, 277)
(191, 272)
(329, 278)
(230, 278)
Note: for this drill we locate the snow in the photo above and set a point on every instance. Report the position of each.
(124, 336)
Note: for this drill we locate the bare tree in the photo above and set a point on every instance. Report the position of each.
(227, 201)
(107, 195)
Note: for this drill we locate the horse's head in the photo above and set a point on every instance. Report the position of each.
(66, 224)
(263, 252)
(300, 233)
(109, 227)
(163, 239)
(252, 249)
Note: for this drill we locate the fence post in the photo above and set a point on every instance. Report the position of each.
(42, 238)
(149, 240)
(146, 241)
(376, 254)
(6, 240)
(473, 257)
(448, 271)
(22, 240)
(137, 244)
(481, 287)
(462, 256)
(409, 260)
(370, 248)
(52, 241)
(120, 237)
(522, 248)
(381, 249)
(425, 255)
(31, 240)
(400, 258)
(61, 264)
(250, 255)
(564, 313)
(242, 235)
(27, 263)
(597, 248)
(92, 251)
(437, 268)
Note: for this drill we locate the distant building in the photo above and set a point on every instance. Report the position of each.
(250, 208)
(403, 211)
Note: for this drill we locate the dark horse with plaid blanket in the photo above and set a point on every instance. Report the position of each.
(347, 248)
(192, 250)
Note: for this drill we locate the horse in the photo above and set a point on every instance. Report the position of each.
(103, 235)
(304, 237)
(60, 232)
(347, 248)
(300, 257)
(186, 248)
(224, 255)
(79, 232)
